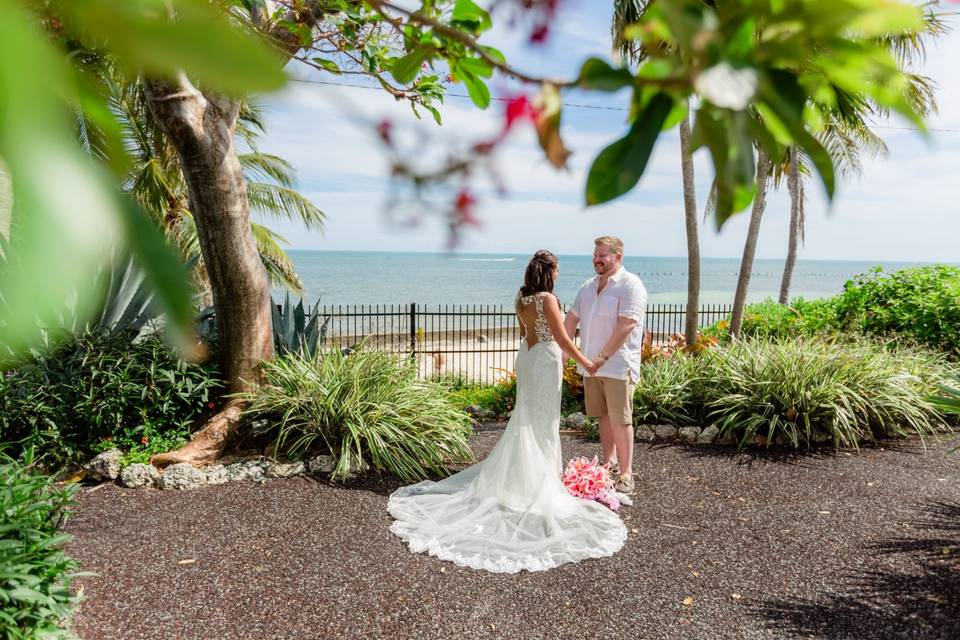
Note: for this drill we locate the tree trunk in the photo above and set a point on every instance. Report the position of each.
(693, 237)
(750, 246)
(201, 128)
(796, 200)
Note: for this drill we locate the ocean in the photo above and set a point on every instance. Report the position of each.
(368, 277)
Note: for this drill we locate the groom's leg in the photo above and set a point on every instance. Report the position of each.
(608, 440)
(595, 402)
(620, 401)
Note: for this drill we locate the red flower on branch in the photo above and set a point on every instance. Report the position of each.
(384, 130)
(463, 209)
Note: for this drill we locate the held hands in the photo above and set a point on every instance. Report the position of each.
(594, 365)
(590, 366)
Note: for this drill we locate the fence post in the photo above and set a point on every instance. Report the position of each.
(413, 329)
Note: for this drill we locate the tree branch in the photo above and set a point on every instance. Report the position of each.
(381, 6)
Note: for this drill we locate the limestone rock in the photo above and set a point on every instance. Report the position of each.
(286, 469)
(182, 476)
(139, 475)
(105, 466)
(689, 434)
(708, 435)
(644, 433)
(665, 431)
(575, 420)
(217, 474)
(248, 470)
(322, 464)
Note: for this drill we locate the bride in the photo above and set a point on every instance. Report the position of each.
(511, 512)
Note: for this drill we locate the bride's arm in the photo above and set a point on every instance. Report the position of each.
(551, 309)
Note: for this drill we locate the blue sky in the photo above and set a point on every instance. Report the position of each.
(903, 207)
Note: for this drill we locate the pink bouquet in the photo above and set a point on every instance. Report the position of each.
(587, 479)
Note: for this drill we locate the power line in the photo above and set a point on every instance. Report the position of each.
(574, 105)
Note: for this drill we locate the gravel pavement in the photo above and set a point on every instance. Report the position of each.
(757, 544)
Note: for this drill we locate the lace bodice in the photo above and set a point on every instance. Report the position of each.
(541, 328)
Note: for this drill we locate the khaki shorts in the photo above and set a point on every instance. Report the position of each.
(609, 396)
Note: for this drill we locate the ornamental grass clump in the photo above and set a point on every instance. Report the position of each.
(669, 392)
(368, 407)
(35, 573)
(804, 390)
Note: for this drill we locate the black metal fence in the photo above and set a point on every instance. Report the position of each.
(478, 342)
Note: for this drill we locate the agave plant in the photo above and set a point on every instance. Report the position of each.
(294, 333)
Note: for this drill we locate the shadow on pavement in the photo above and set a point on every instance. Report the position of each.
(921, 600)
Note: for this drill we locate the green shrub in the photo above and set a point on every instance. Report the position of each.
(102, 391)
(921, 303)
(771, 320)
(797, 390)
(35, 573)
(483, 396)
(367, 406)
(668, 392)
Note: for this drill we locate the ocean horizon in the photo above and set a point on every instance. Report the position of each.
(440, 278)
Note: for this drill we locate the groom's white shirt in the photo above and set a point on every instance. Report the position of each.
(624, 296)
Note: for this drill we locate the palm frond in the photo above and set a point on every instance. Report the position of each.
(150, 187)
(281, 203)
(910, 47)
(280, 269)
(264, 166)
(626, 13)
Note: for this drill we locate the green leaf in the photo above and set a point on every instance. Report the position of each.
(202, 40)
(468, 13)
(478, 90)
(328, 65)
(162, 267)
(434, 112)
(600, 76)
(618, 168)
(476, 66)
(405, 69)
(783, 94)
(494, 53)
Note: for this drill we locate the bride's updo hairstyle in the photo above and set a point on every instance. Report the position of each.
(539, 276)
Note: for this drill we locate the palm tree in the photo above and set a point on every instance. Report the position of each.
(847, 133)
(625, 13)
(155, 181)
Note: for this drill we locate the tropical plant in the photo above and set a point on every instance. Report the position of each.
(35, 573)
(846, 133)
(155, 181)
(920, 303)
(625, 14)
(948, 398)
(799, 391)
(364, 408)
(293, 333)
(100, 391)
(668, 391)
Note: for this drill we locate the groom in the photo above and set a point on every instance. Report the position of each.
(610, 309)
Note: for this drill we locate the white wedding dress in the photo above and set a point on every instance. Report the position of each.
(511, 512)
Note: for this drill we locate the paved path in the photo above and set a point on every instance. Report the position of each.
(761, 544)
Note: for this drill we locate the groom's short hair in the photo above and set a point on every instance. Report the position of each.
(613, 243)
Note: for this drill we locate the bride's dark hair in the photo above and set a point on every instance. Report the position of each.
(539, 276)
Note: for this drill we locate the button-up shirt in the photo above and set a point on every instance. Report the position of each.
(623, 296)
